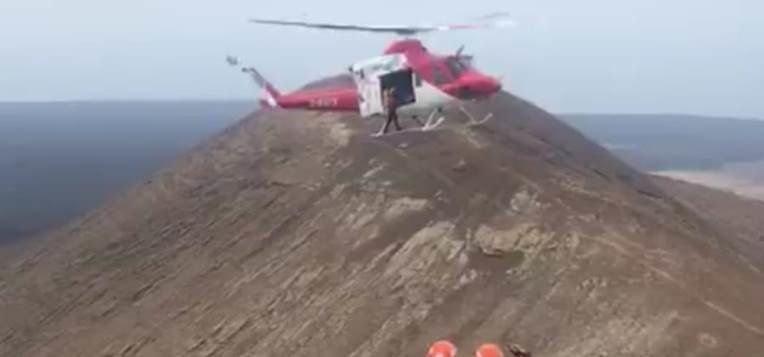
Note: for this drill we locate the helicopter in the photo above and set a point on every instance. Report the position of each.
(424, 83)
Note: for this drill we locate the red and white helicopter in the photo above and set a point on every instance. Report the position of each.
(425, 83)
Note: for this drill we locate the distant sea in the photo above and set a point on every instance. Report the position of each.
(61, 159)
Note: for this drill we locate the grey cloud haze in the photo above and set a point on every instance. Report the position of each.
(701, 56)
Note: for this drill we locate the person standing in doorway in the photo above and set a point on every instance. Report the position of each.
(390, 102)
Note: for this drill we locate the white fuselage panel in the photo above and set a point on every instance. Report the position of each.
(367, 73)
(428, 98)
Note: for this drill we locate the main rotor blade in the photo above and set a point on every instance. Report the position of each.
(400, 30)
(499, 15)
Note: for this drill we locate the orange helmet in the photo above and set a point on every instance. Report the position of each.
(489, 350)
(442, 348)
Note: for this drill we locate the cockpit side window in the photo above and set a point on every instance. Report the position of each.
(438, 76)
(456, 66)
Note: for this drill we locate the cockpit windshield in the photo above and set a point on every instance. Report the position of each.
(457, 66)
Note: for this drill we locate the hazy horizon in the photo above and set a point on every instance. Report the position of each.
(254, 102)
(591, 56)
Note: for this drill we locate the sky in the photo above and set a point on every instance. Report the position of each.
(634, 56)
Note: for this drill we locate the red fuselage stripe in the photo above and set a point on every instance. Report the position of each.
(469, 84)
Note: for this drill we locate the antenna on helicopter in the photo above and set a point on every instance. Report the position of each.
(460, 51)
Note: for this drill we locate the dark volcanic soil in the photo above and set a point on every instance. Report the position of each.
(296, 234)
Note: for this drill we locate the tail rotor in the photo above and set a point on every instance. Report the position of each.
(271, 95)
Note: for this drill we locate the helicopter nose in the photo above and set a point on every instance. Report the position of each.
(493, 86)
(486, 86)
(476, 87)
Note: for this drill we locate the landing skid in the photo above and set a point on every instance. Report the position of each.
(434, 122)
(473, 121)
(407, 130)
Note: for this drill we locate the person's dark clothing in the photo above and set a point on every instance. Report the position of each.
(391, 106)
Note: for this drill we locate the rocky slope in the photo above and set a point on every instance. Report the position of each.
(740, 218)
(296, 234)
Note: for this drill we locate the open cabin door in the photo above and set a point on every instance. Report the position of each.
(377, 74)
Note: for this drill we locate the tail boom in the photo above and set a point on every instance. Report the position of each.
(272, 95)
(326, 99)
